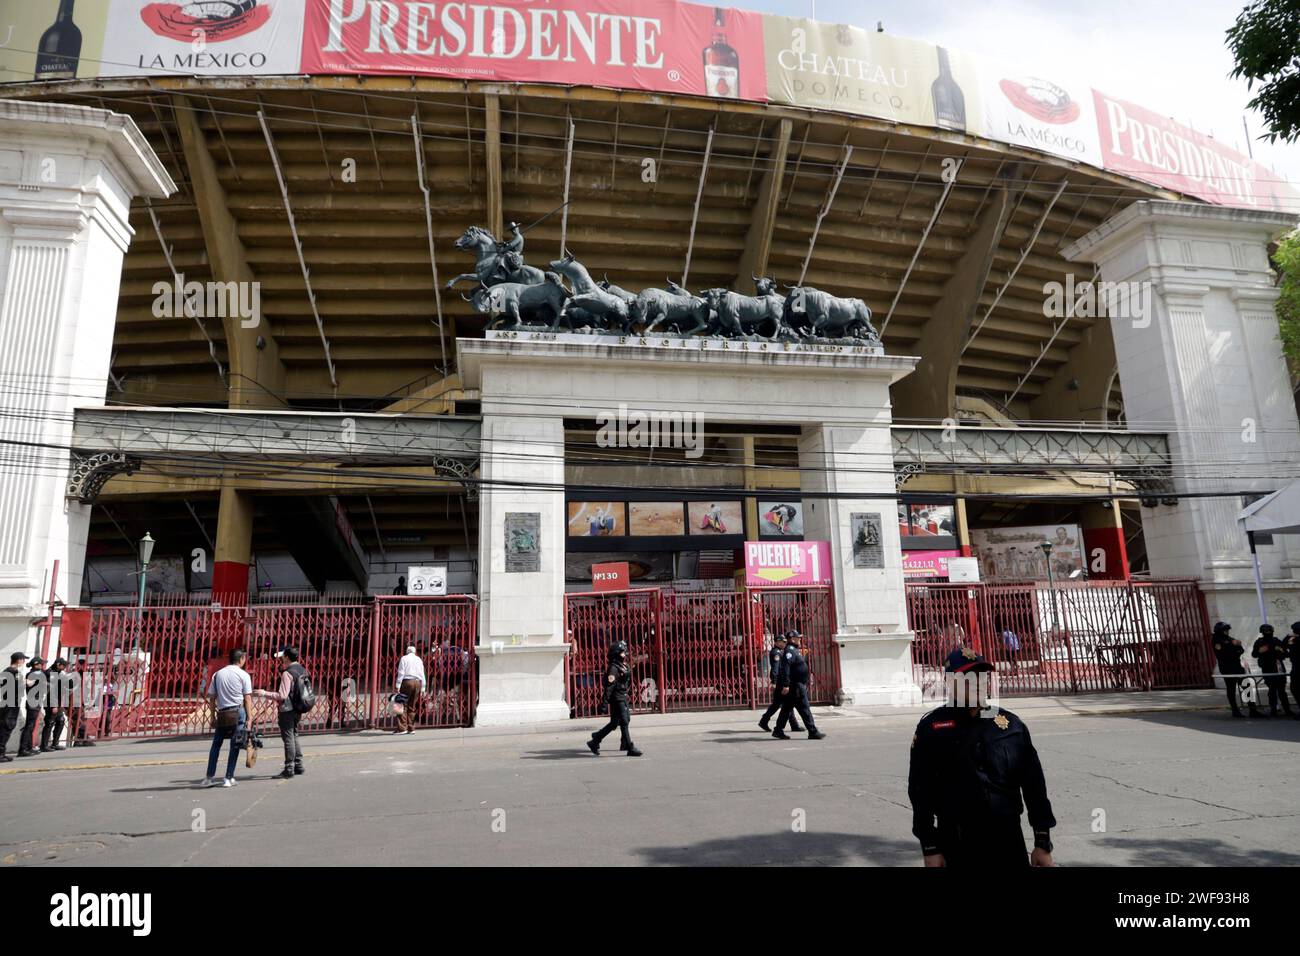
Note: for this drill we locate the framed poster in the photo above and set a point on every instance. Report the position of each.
(655, 518)
(868, 540)
(523, 541)
(596, 519)
(780, 519)
(426, 580)
(716, 517)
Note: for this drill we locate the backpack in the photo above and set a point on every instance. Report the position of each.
(303, 696)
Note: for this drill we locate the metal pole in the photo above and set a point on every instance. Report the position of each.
(1259, 580)
(695, 214)
(428, 228)
(568, 167)
(826, 207)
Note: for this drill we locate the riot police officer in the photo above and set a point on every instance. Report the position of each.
(792, 686)
(1227, 652)
(969, 767)
(618, 680)
(775, 657)
(1292, 645)
(1270, 652)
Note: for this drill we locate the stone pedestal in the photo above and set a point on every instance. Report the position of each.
(1204, 363)
(67, 177)
(530, 381)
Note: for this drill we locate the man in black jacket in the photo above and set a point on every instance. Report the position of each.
(36, 696)
(618, 681)
(1292, 645)
(1228, 651)
(792, 686)
(775, 658)
(969, 767)
(1270, 652)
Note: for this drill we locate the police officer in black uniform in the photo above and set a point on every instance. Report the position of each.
(775, 658)
(792, 687)
(12, 690)
(1292, 645)
(37, 694)
(1270, 652)
(618, 680)
(969, 767)
(1228, 651)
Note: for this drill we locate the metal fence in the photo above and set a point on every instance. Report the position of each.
(146, 674)
(695, 650)
(1076, 637)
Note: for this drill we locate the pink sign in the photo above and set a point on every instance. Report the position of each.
(656, 45)
(927, 564)
(787, 563)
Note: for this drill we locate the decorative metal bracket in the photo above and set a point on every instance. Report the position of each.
(90, 473)
(1153, 486)
(459, 469)
(903, 472)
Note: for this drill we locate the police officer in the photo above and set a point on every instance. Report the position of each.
(1270, 652)
(618, 680)
(774, 660)
(1292, 645)
(12, 689)
(37, 694)
(792, 687)
(59, 697)
(969, 767)
(1227, 652)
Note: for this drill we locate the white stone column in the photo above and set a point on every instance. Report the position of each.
(67, 177)
(1205, 366)
(522, 644)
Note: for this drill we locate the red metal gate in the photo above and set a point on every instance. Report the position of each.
(146, 674)
(1076, 637)
(695, 650)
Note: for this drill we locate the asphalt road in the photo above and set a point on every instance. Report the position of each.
(1176, 788)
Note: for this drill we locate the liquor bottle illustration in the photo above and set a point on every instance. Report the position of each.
(949, 103)
(721, 63)
(59, 50)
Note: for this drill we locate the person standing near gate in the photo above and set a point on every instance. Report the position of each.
(618, 681)
(1271, 652)
(968, 769)
(775, 659)
(12, 690)
(1292, 645)
(792, 685)
(232, 694)
(289, 697)
(36, 695)
(410, 682)
(1227, 652)
(60, 696)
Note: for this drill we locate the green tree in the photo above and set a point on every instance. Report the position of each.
(1265, 42)
(1287, 262)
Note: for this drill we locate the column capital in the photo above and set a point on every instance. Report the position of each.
(61, 223)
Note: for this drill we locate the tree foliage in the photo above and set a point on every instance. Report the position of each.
(1287, 262)
(1265, 42)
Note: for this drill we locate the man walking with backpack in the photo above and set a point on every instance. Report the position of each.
(296, 697)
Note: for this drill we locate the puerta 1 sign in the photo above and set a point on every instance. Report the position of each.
(787, 563)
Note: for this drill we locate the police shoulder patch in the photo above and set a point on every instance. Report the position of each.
(1001, 721)
(968, 653)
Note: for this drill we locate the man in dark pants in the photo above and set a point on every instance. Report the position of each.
(618, 680)
(969, 767)
(288, 715)
(59, 689)
(12, 690)
(792, 685)
(1270, 652)
(1227, 652)
(775, 658)
(36, 695)
(1292, 644)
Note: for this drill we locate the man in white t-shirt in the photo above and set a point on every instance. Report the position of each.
(231, 692)
(410, 683)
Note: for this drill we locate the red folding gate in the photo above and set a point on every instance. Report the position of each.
(146, 674)
(695, 650)
(1076, 637)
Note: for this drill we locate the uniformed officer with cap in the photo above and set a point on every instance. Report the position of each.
(970, 766)
(37, 693)
(618, 680)
(1228, 651)
(792, 686)
(1270, 652)
(1292, 645)
(775, 659)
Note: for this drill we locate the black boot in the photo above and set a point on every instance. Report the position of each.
(632, 751)
(594, 746)
(780, 735)
(1255, 712)
(766, 727)
(815, 734)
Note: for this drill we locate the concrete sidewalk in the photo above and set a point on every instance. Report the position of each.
(193, 750)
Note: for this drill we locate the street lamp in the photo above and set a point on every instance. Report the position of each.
(1046, 547)
(146, 552)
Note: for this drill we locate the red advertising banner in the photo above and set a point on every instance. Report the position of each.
(1138, 142)
(610, 577)
(655, 45)
(927, 564)
(787, 563)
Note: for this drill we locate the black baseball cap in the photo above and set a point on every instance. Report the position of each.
(17, 657)
(965, 660)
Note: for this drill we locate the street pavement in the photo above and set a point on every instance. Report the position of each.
(1135, 780)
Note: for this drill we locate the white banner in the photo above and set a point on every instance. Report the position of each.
(1051, 114)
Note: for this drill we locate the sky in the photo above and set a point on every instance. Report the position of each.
(1170, 57)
